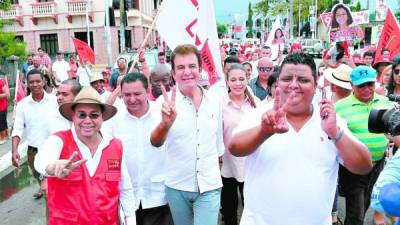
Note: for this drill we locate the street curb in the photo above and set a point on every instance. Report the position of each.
(5, 161)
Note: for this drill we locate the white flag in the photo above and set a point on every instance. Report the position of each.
(192, 22)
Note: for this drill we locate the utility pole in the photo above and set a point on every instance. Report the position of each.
(291, 24)
(87, 23)
(316, 19)
(122, 17)
(299, 18)
(108, 32)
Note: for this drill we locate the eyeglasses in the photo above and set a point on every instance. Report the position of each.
(265, 69)
(369, 84)
(83, 115)
(396, 71)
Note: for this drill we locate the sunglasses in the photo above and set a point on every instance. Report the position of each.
(265, 69)
(83, 115)
(369, 84)
(396, 71)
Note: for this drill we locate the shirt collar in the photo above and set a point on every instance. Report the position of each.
(358, 102)
(180, 96)
(45, 97)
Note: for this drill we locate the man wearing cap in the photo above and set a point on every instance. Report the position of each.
(60, 69)
(87, 175)
(379, 65)
(259, 85)
(97, 82)
(146, 163)
(355, 110)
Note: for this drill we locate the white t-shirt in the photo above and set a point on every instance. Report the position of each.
(84, 76)
(60, 70)
(291, 178)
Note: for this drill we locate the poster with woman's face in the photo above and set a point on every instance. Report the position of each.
(343, 27)
(279, 37)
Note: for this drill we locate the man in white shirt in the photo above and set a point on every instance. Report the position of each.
(97, 82)
(60, 69)
(294, 149)
(30, 117)
(146, 163)
(87, 174)
(193, 139)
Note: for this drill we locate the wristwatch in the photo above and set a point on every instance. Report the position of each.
(339, 135)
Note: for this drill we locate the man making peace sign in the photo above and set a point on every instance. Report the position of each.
(294, 149)
(191, 128)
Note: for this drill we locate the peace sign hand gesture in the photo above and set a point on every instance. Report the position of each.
(274, 120)
(168, 111)
(63, 167)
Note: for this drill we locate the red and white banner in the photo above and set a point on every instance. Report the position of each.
(193, 22)
(361, 17)
(84, 51)
(390, 36)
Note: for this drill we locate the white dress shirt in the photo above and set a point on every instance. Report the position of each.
(31, 116)
(56, 122)
(193, 145)
(146, 163)
(60, 70)
(51, 151)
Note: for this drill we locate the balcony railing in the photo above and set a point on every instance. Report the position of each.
(77, 7)
(9, 14)
(43, 9)
(14, 13)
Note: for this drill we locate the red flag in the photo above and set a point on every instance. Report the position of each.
(208, 63)
(84, 51)
(390, 36)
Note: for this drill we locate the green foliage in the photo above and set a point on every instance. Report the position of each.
(5, 4)
(250, 22)
(10, 46)
(357, 7)
(222, 29)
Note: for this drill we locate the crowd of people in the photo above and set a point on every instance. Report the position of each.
(157, 146)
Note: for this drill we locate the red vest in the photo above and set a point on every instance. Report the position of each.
(80, 199)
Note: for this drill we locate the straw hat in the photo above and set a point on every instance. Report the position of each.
(339, 76)
(87, 95)
(96, 77)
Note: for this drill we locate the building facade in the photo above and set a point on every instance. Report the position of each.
(51, 24)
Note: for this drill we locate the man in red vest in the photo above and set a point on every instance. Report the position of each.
(87, 175)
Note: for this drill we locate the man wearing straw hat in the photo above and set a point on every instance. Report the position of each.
(87, 175)
(339, 80)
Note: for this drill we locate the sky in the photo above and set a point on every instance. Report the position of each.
(225, 10)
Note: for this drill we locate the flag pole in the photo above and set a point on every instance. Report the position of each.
(142, 46)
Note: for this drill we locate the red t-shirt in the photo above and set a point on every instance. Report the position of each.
(3, 101)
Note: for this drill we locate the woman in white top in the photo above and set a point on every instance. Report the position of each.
(238, 101)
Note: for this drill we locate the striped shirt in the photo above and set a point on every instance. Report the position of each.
(356, 114)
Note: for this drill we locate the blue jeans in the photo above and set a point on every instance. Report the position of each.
(193, 208)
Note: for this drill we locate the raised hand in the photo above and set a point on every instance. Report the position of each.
(168, 111)
(274, 120)
(63, 167)
(328, 118)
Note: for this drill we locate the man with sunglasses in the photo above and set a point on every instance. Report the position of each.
(259, 85)
(355, 110)
(87, 175)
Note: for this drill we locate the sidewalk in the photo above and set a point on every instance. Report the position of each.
(5, 151)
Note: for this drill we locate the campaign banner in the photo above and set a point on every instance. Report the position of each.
(343, 26)
(361, 17)
(192, 22)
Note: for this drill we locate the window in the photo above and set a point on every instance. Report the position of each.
(133, 4)
(19, 38)
(83, 37)
(128, 40)
(49, 42)
(45, 0)
(14, 2)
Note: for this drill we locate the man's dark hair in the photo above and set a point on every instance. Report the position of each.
(300, 58)
(368, 53)
(231, 59)
(385, 50)
(34, 72)
(185, 49)
(40, 49)
(266, 47)
(75, 86)
(133, 77)
(161, 54)
(247, 63)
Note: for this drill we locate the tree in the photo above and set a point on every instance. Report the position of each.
(222, 29)
(8, 44)
(250, 22)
